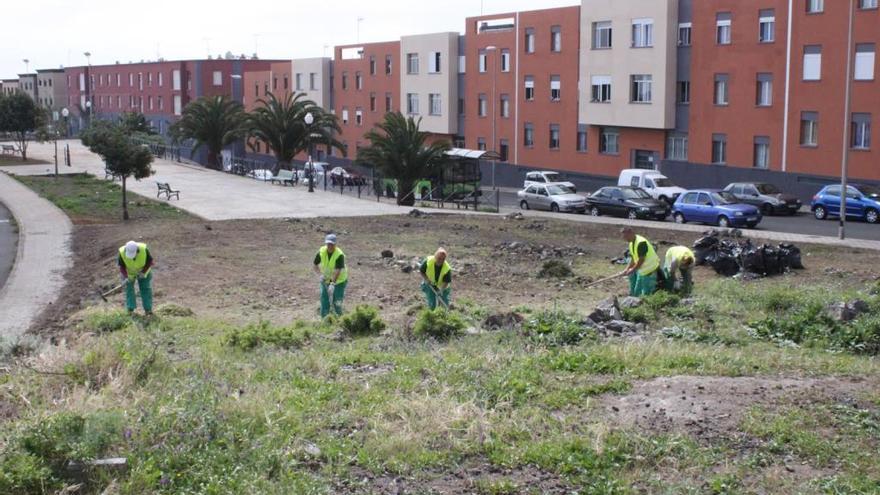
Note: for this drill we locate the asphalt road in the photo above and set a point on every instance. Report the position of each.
(802, 223)
(8, 243)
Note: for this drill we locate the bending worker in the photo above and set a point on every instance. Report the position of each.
(330, 267)
(679, 259)
(135, 263)
(436, 279)
(643, 265)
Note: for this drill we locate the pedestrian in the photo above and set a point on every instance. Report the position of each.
(679, 259)
(436, 279)
(136, 263)
(643, 265)
(330, 267)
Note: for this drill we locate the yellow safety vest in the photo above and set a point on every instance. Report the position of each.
(677, 254)
(652, 261)
(430, 269)
(328, 264)
(134, 266)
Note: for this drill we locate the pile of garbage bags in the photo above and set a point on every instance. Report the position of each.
(729, 256)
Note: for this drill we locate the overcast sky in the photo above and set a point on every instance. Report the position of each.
(54, 33)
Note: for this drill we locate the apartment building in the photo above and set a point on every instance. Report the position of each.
(52, 91)
(429, 81)
(27, 84)
(312, 77)
(8, 86)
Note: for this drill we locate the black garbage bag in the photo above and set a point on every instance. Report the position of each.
(752, 259)
(774, 263)
(705, 249)
(792, 255)
(725, 263)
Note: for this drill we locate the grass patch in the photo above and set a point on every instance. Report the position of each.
(107, 321)
(439, 324)
(364, 320)
(555, 269)
(264, 334)
(555, 328)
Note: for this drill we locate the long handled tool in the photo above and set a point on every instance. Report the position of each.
(110, 292)
(606, 279)
(330, 295)
(439, 297)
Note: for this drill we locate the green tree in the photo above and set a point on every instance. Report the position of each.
(123, 158)
(20, 116)
(136, 123)
(213, 122)
(281, 124)
(401, 151)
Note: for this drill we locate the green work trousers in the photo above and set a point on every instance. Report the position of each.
(687, 281)
(145, 287)
(431, 296)
(642, 285)
(338, 296)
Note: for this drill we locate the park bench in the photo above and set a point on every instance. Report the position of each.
(9, 149)
(285, 177)
(165, 188)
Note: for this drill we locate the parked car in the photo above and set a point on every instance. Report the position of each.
(712, 206)
(862, 201)
(765, 196)
(319, 167)
(553, 197)
(656, 184)
(339, 175)
(539, 178)
(629, 202)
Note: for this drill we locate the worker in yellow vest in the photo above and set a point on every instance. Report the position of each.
(136, 264)
(330, 268)
(643, 265)
(679, 259)
(436, 279)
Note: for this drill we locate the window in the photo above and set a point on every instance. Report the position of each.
(119, 80)
(864, 62)
(436, 104)
(158, 77)
(344, 115)
(762, 152)
(344, 80)
(218, 78)
(484, 62)
(601, 35)
(159, 102)
(412, 103)
(684, 92)
(641, 88)
(530, 40)
(556, 39)
(149, 102)
(298, 78)
(434, 63)
(388, 103)
(723, 28)
(529, 135)
(312, 77)
(177, 105)
(609, 141)
(503, 149)
(140, 81)
(461, 107)
(719, 148)
(149, 79)
(721, 89)
(530, 88)
(601, 89)
(554, 136)
(175, 80)
(815, 6)
(358, 80)
(481, 144)
(867, 4)
(462, 64)
(684, 34)
(505, 106)
(767, 26)
(482, 105)
(505, 60)
(642, 33)
(809, 128)
(412, 63)
(372, 65)
(861, 131)
(582, 138)
(764, 90)
(555, 88)
(677, 147)
(388, 63)
(359, 116)
(812, 62)
(372, 102)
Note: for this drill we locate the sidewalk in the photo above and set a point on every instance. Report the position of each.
(42, 259)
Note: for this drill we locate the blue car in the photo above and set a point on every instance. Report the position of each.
(862, 201)
(716, 207)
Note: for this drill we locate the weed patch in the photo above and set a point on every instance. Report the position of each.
(555, 328)
(261, 334)
(555, 269)
(439, 324)
(810, 325)
(364, 320)
(107, 321)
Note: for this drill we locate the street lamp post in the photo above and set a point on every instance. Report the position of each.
(26, 65)
(846, 123)
(494, 49)
(309, 119)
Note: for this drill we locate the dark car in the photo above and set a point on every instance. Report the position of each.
(765, 196)
(629, 202)
(862, 201)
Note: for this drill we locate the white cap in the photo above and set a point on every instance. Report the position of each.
(330, 239)
(131, 250)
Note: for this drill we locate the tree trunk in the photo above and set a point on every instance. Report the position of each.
(124, 200)
(22, 145)
(212, 160)
(405, 195)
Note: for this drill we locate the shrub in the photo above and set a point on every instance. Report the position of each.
(439, 324)
(174, 310)
(107, 321)
(255, 335)
(812, 326)
(780, 299)
(364, 320)
(555, 269)
(554, 328)
(639, 314)
(661, 300)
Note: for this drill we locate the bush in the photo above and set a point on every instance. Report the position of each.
(439, 324)
(107, 321)
(554, 328)
(780, 299)
(255, 335)
(661, 301)
(812, 326)
(364, 320)
(639, 314)
(555, 269)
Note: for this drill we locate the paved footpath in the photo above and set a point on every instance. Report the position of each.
(41, 261)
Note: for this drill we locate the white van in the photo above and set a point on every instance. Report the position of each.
(656, 184)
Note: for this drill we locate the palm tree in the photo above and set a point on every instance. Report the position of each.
(211, 121)
(281, 124)
(400, 151)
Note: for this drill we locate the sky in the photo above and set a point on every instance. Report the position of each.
(55, 33)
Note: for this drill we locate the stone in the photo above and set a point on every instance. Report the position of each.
(608, 310)
(417, 213)
(630, 302)
(620, 327)
(845, 312)
(503, 320)
(387, 253)
(406, 269)
(515, 216)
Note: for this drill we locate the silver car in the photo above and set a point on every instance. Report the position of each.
(553, 197)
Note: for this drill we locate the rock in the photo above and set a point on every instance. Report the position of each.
(387, 253)
(208, 227)
(417, 213)
(503, 320)
(688, 302)
(406, 269)
(608, 310)
(859, 306)
(472, 331)
(845, 312)
(621, 327)
(312, 449)
(630, 302)
(514, 216)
